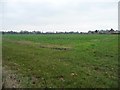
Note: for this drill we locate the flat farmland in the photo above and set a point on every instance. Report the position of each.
(62, 60)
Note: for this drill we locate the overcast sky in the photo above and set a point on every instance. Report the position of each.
(58, 15)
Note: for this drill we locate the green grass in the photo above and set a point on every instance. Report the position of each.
(88, 61)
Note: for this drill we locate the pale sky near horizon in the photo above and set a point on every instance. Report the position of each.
(58, 15)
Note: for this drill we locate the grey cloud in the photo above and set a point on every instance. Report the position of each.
(24, 13)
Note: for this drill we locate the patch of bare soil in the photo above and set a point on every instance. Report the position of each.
(9, 79)
(56, 48)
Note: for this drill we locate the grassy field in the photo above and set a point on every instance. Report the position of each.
(62, 60)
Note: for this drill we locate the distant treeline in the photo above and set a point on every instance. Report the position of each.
(111, 31)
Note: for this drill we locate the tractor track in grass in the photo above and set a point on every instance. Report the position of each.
(48, 46)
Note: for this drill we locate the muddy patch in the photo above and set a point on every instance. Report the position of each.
(56, 48)
(60, 48)
(65, 59)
